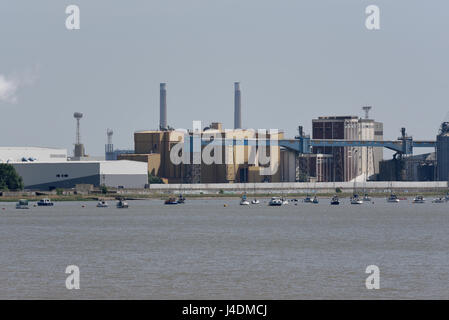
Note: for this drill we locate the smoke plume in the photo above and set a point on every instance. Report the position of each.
(10, 85)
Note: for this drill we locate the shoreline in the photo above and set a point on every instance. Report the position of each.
(164, 196)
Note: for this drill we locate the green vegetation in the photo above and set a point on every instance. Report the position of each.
(338, 190)
(59, 191)
(153, 179)
(9, 179)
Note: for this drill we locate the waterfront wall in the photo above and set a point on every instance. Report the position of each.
(294, 187)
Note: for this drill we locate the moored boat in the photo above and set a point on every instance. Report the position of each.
(393, 198)
(22, 204)
(255, 201)
(307, 199)
(122, 204)
(419, 199)
(315, 200)
(275, 201)
(102, 204)
(335, 200)
(171, 201)
(244, 201)
(355, 199)
(439, 200)
(45, 203)
(181, 199)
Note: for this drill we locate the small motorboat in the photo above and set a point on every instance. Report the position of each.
(122, 204)
(355, 199)
(366, 198)
(181, 199)
(45, 203)
(244, 201)
(102, 204)
(335, 200)
(284, 201)
(393, 198)
(171, 201)
(439, 200)
(307, 199)
(315, 200)
(22, 204)
(275, 202)
(255, 201)
(419, 199)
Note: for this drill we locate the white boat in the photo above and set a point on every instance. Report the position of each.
(439, 200)
(355, 199)
(393, 198)
(22, 204)
(122, 204)
(419, 199)
(315, 200)
(275, 201)
(102, 204)
(45, 203)
(284, 201)
(244, 201)
(255, 201)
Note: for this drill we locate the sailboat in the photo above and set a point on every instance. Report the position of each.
(355, 199)
(244, 201)
(255, 201)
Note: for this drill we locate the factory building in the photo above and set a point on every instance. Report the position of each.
(442, 151)
(346, 163)
(421, 167)
(154, 148)
(32, 154)
(48, 168)
(66, 174)
(234, 163)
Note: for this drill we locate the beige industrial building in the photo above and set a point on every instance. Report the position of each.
(233, 163)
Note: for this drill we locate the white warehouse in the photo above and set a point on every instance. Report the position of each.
(30, 154)
(50, 175)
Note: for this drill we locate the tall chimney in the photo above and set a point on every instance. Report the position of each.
(163, 107)
(237, 106)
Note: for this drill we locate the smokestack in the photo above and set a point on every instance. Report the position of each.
(163, 107)
(237, 106)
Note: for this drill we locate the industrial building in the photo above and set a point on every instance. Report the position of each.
(154, 146)
(346, 163)
(442, 152)
(66, 174)
(32, 154)
(421, 167)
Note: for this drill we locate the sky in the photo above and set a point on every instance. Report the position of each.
(295, 60)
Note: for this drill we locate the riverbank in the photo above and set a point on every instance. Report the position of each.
(112, 197)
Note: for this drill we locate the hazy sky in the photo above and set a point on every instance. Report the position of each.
(296, 60)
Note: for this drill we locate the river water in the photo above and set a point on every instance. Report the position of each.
(204, 250)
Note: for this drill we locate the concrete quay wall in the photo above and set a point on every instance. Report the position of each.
(295, 187)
